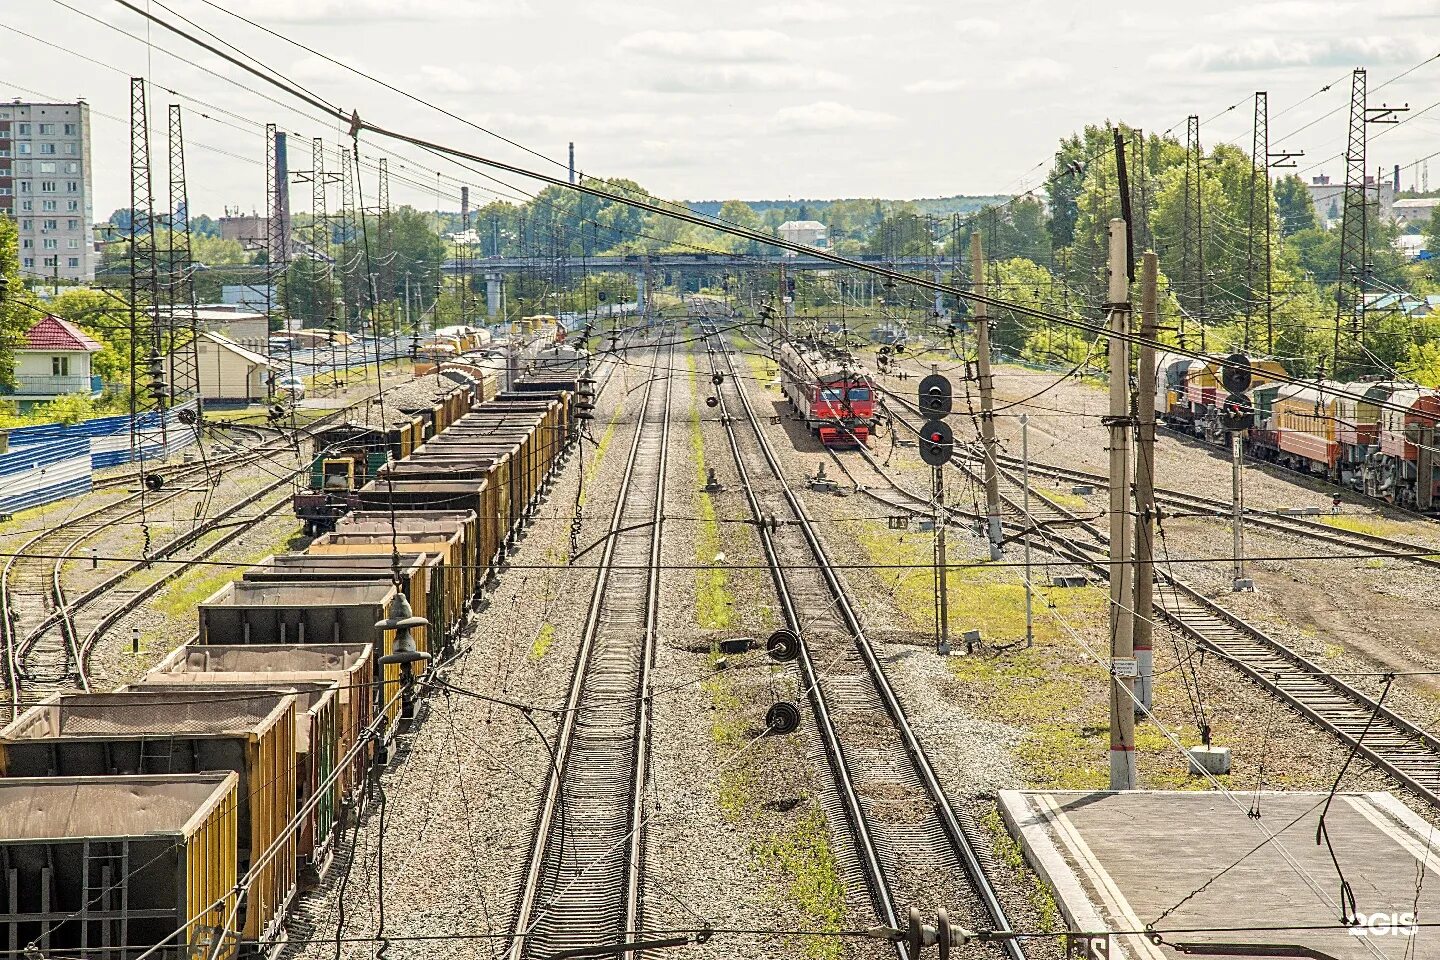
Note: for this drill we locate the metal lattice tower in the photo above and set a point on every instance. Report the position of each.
(181, 324)
(349, 257)
(1191, 292)
(145, 342)
(1354, 266)
(1258, 262)
(386, 236)
(1140, 181)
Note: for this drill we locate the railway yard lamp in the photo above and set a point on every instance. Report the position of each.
(402, 620)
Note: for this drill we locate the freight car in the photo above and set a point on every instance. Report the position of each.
(1188, 391)
(830, 391)
(115, 866)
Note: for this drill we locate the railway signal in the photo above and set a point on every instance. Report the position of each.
(1237, 412)
(936, 396)
(937, 443)
(1236, 374)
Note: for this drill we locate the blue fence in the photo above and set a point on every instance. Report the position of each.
(52, 461)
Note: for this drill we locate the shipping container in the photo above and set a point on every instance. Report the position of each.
(105, 734)
(111, 866)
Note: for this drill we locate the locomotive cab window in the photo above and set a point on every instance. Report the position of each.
(859, 393)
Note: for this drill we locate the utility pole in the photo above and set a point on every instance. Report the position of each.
(1122, 621)
(1144, 642)
(1259, 205)
(1025, 506)
(1237, 509)
(987, 398)
(942, 556)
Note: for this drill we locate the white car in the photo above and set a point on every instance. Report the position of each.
(291, 385)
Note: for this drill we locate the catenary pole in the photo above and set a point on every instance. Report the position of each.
(987, 396)
(1122, 621)
(1144, 631)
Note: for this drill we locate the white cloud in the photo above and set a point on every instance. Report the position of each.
(480, 78)
(1028, 72)
(342, 12)
(802, 11)
(714, 46)
(828, 116)
(746, 77)
(936, 85)
(1279, 52)
(1034, 70)
(978, 27)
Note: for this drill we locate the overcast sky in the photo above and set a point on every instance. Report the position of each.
(737, 98)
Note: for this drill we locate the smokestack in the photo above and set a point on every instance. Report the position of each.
(281, 213)
(464, 208)
(572, 161)
(1397, 178)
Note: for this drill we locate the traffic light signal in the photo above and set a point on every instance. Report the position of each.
(1236, 412)
(937, 443)
(1236, 373)
(935, 396)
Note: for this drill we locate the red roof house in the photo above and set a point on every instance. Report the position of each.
(53, 361)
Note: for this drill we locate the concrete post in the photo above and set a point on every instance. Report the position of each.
(1122, 622)
(492, 295)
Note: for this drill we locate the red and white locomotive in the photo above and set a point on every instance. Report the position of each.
(834, 394)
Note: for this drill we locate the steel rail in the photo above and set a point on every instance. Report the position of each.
(961, 844)
(567, 769)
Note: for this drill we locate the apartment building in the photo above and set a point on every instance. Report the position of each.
(46, 186)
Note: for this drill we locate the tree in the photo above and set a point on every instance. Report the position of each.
(15, 316)
(1292, 200)
(1066, 180)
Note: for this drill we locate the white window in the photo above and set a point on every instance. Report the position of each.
(47, 186)
(72, 167)
(22, 148)
(27, 204)
(71, 129)
(23, 129)
(47, 148)
(74, 263)
(47, 129)
(24, 166)
(27, 244)
(5, 134)
(72, 224)
(72, 205)
(4, 171)
(71, 150)
(4, 151)
(51, 243)
(51, 261)
(47, 166)
(48, 206)
(51, 225)
(72, 186)
(60, 366)
(29, 263)
(24, 186)
(4, 191)
(72, 244)
(27, 224)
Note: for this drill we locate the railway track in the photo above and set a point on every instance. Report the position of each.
(912, 846)
(1395, 744)
(582, 883)
(46, 647)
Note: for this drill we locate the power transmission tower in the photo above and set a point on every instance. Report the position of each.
(320, 303)
(386, 236)
(1259, 205)
(349, 258)
(182, 325)
(147, 371)
(1140, 178)
(1354, 274)
(1191, 292)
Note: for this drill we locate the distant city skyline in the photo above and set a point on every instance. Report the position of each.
(776, 100)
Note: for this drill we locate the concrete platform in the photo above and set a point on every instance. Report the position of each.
(1120, 861)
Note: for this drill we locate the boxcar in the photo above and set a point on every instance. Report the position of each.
(116, 865)
(99, 734)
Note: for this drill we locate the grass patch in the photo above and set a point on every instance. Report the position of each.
(1370, 526)
(178, 599)
(1035, 890)
(1062, 498)
(544, 640)
(712, 590)
(601, 449)
(803, 856)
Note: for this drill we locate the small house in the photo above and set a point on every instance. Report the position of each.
(231, 372)
(53, 361)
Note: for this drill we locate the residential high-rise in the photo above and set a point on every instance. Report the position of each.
(46, 185)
